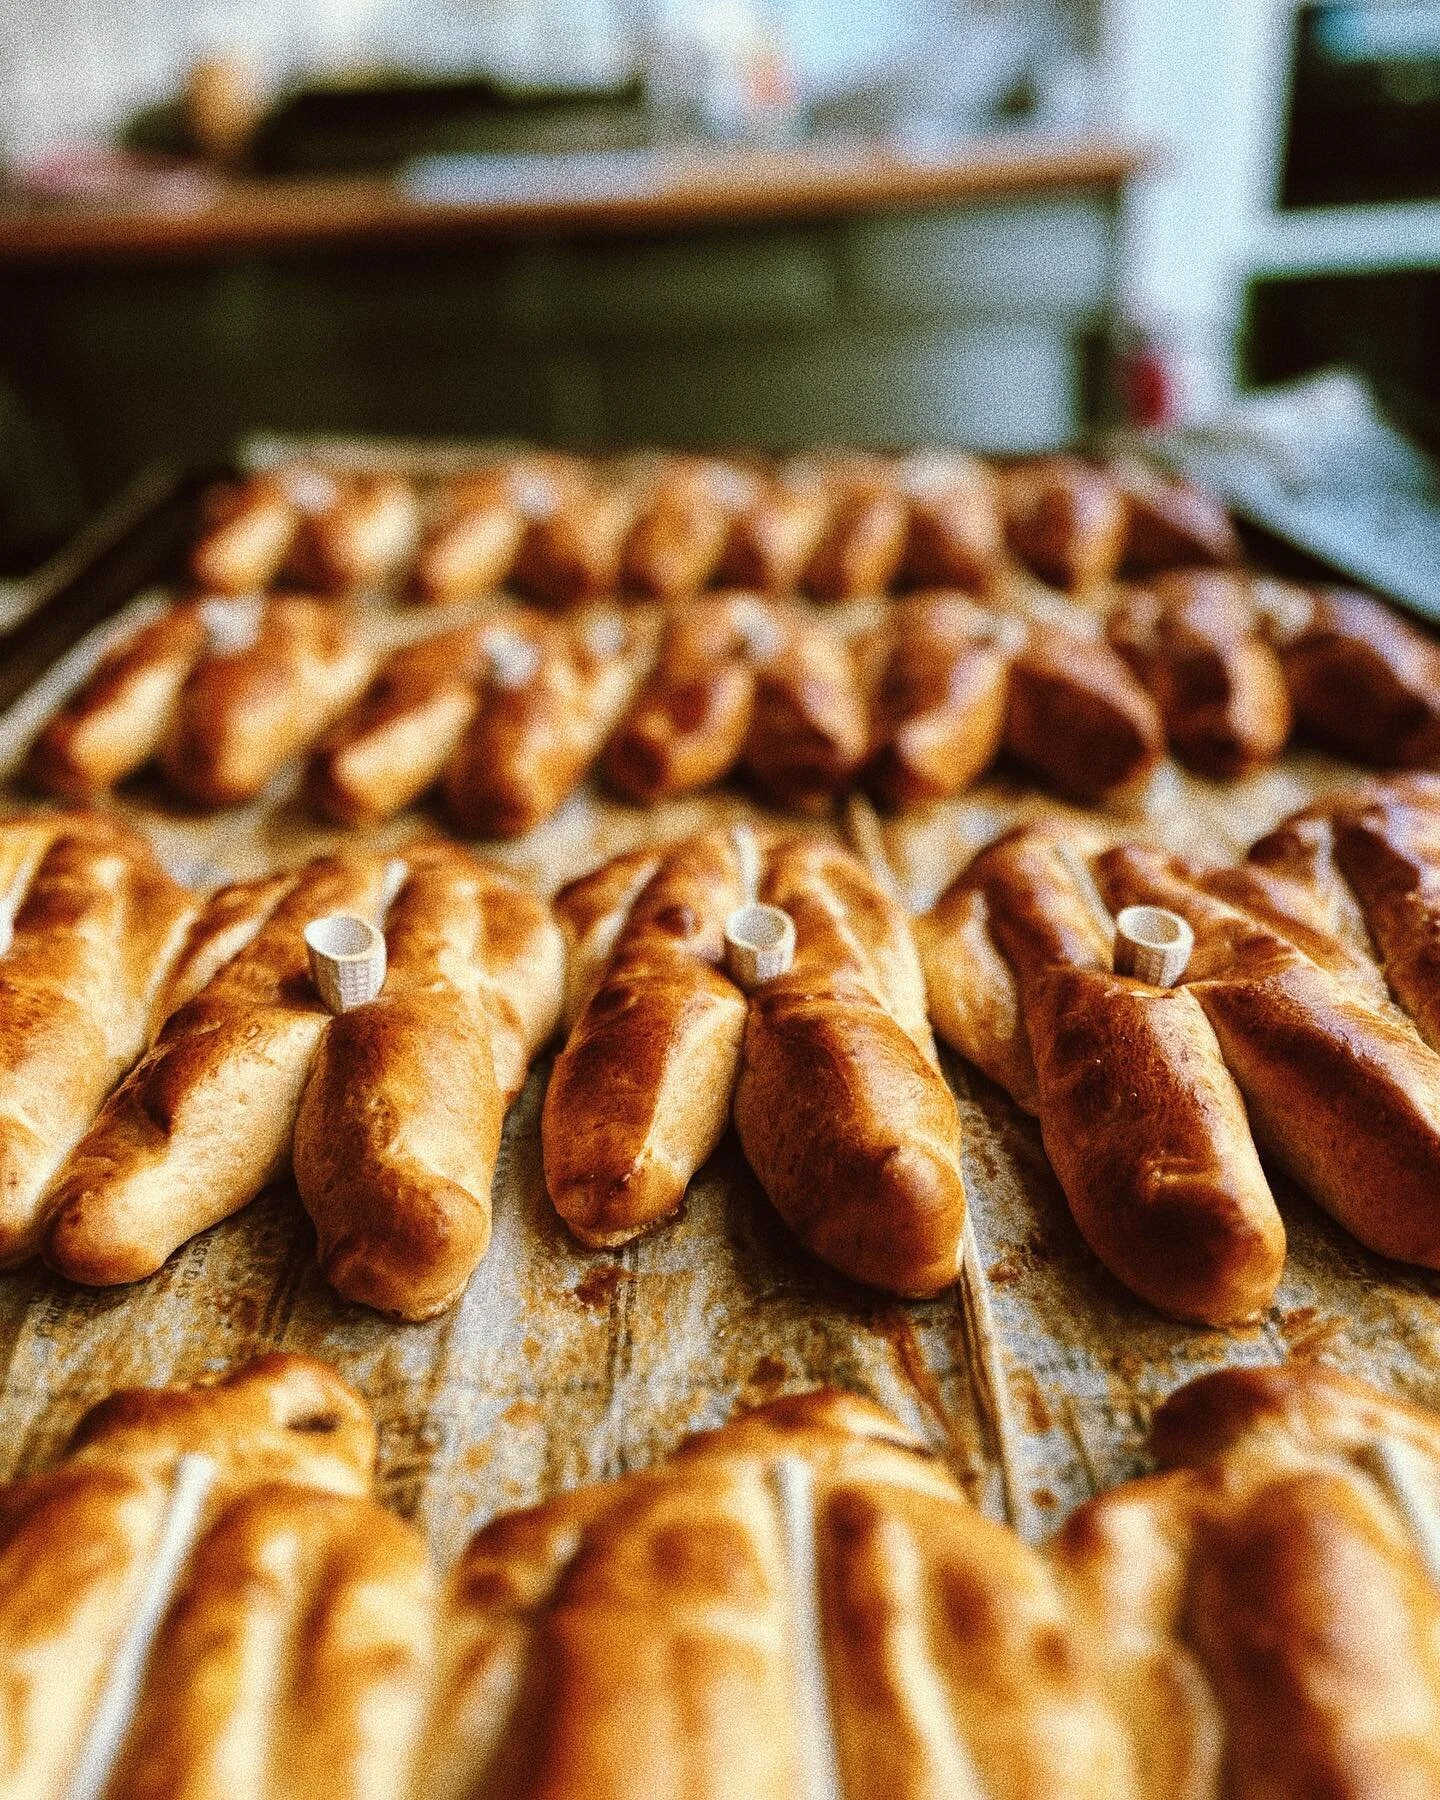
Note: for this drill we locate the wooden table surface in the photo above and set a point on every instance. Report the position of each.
(650, 192)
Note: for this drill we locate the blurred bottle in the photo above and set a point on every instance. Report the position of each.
(720, 69)
(223, 100)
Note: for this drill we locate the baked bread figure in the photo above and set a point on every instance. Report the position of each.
(1171, 524)
(203, 1599)
(690, 720)
(574, 545)
(1140, 1117)
(1288, 1558)
(398, 1132)
(938, 702)
(1195, 642)
(1079, 719)
(1363, 681)
(956, 533)
(680, 536)
(640, 1093)
(775, 533)
(837, 1098)
(97, 927)
(1342, 1093)
(246, 533)
(801, 1603)
(119, 718)
(244, 713)
(866, 535)
(477, 525)
(395, 1164)
(220, 693)
(546, 710)
(1066, 521)
(810, 726)
(393, 743)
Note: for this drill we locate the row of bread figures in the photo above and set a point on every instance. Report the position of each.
(507, 715)
(563, 529)
(801, 1605)
(170, 1056)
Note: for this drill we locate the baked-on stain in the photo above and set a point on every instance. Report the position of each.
(597, 1286)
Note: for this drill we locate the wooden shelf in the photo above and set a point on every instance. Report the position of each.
(651, 193)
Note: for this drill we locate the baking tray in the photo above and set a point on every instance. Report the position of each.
(561, 1365)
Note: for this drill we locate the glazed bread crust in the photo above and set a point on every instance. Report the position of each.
(398, 1133)
(938, 710)
(690, 719)
(840, 1106)
(809, 730)
(240, 718)
(1194, 643)
(206, 1118)
(120, 717)
(1080, 719)
(1142, 1122)
(96, 934)
(1269, 1574)
(1364, 682)
(392, 744)
(1344, 1097)
(640, 1094)
(529, 746)
(948, 1663)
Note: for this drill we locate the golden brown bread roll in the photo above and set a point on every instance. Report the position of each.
(1389, 854)
(809, 729)
(399, 1130)
(1365, 682)
(206, 1119)
(800, 1603)
(1066, 521)
(1078, 717)
(120, 717)
(363, 535)
(533, 738)
(1269, 1574)
(956, 535)
(574, 548)
(676, 542)
(1140, 1118)
(864, 541)
(937, 714)
(691, 717)
(392, 744)
(591, 912)
(640, 1094)
(241, 717)
(1343, 1097)
(95, 935)
(840, 1105)
(471, 546)
(247, 530)
(773, 538)
(1193, 641)
(1290, 881)
(1171, 524)
(294, 1643)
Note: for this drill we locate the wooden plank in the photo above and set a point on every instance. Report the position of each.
(663, 191)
